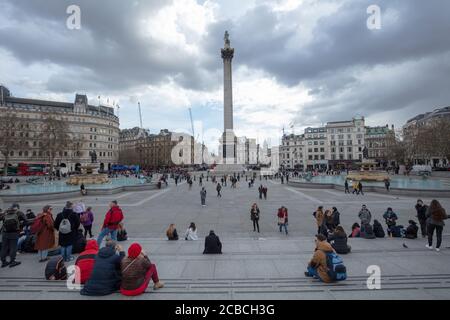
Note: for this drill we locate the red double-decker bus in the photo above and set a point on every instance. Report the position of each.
(32, 169)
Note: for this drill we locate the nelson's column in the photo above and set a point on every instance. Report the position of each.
(228, 138)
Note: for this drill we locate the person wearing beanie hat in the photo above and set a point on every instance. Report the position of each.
(137, 270)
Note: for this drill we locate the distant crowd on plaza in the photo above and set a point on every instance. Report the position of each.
(104, 267)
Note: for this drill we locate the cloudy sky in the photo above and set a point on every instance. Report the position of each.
(304, 62)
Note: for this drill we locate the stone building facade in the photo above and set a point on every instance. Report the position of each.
(96, 126)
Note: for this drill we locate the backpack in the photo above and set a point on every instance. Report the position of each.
(84, 217)
(11, 222)
(28, 244)
(397, 231)
(55, 269)
(38, 225)
(65, 227)
(336, 268)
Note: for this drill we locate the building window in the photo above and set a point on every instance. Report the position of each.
(349, 149)
(322, 157)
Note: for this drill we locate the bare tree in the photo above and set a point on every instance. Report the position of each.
(10, 139)
(55, 137)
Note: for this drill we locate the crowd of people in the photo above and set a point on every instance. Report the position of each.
(105, 268)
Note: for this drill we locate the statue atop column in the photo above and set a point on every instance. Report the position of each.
(226, 38)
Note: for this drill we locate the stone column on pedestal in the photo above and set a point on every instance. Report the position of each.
(228, 138)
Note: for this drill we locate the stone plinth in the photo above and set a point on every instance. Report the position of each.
(88, 179)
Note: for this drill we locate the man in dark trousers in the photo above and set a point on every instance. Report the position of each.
(212, 244)
(12, 220)
(260, 190)
(219, 188)
(346, 186)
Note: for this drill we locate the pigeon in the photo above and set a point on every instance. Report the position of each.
(405, 246)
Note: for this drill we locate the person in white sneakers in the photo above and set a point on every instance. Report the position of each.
(435, 221)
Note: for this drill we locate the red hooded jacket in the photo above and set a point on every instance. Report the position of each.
(113, 217)
(86, 260)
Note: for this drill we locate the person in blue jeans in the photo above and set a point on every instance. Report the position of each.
(67, 223)
(283, 219)
(113, 218)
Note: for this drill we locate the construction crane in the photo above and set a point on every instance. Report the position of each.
(140, 114)
(192, 122)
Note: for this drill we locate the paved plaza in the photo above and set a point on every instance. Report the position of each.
(268, 265)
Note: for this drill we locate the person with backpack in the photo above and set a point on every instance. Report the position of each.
(421, 210)
(45, 232)
(87, 220)
(254, 216)
(391, 220)
(106, 275)
(435, 221)
(137, 271)
(86, 260)
(67, 223)
(12, 220)
(325, 265)
(378, 229)
(113, 218)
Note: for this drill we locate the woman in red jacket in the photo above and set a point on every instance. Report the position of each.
(86, 260)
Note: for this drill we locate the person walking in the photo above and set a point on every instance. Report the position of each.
(67, 223)
(355, 187)
(113, 218)
(421, 209)
(87, 219)
(264, 190)
(219, 188)
(283, 219)
(203, 196)
(360, 188)
(260, 191)
(346, 187)
(387, 184)
(435, 221)
(254, 216)
(45, 233)
(12, 220)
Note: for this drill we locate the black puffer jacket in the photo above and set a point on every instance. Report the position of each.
(106, 276)
(68, 239)
(339, 242)
(212, 244)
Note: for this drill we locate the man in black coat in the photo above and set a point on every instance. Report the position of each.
(212, 244)
(106, 275)
(66, 238)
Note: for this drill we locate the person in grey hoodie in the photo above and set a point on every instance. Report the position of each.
(364, 215)
(203, 196)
